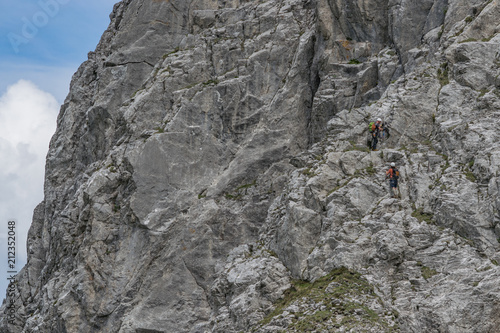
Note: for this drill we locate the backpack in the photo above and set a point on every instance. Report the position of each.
(393, 173)
(372, 127)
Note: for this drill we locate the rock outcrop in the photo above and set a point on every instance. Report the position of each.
(209, 172)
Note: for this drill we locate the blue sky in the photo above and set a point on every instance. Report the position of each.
(42, 43)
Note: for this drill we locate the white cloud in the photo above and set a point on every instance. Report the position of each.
(53, 79)
(27, 121)
(27, 116)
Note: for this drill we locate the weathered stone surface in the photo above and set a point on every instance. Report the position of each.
(211, 153)
(246, 287)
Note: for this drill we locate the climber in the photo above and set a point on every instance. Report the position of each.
(385, 131)
(393, 174)
(376, 128)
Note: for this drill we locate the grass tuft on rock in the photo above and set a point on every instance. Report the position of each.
(442, 74)
(421, 216)
(341, 299)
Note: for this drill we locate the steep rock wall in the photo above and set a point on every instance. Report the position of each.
(211, 152)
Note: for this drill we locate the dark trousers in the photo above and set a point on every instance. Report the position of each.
(393, 183)
(374, 141)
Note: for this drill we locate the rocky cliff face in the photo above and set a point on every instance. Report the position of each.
(209, 172)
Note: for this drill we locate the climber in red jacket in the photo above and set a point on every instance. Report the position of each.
(393, 175)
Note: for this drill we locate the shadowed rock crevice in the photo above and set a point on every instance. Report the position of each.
(210, 162)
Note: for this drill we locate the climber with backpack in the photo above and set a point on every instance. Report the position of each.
(393, 175)
(375, 130)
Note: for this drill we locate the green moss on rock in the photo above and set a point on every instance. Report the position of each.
(342, 298)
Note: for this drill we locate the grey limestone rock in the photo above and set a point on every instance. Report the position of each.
(209, 173)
